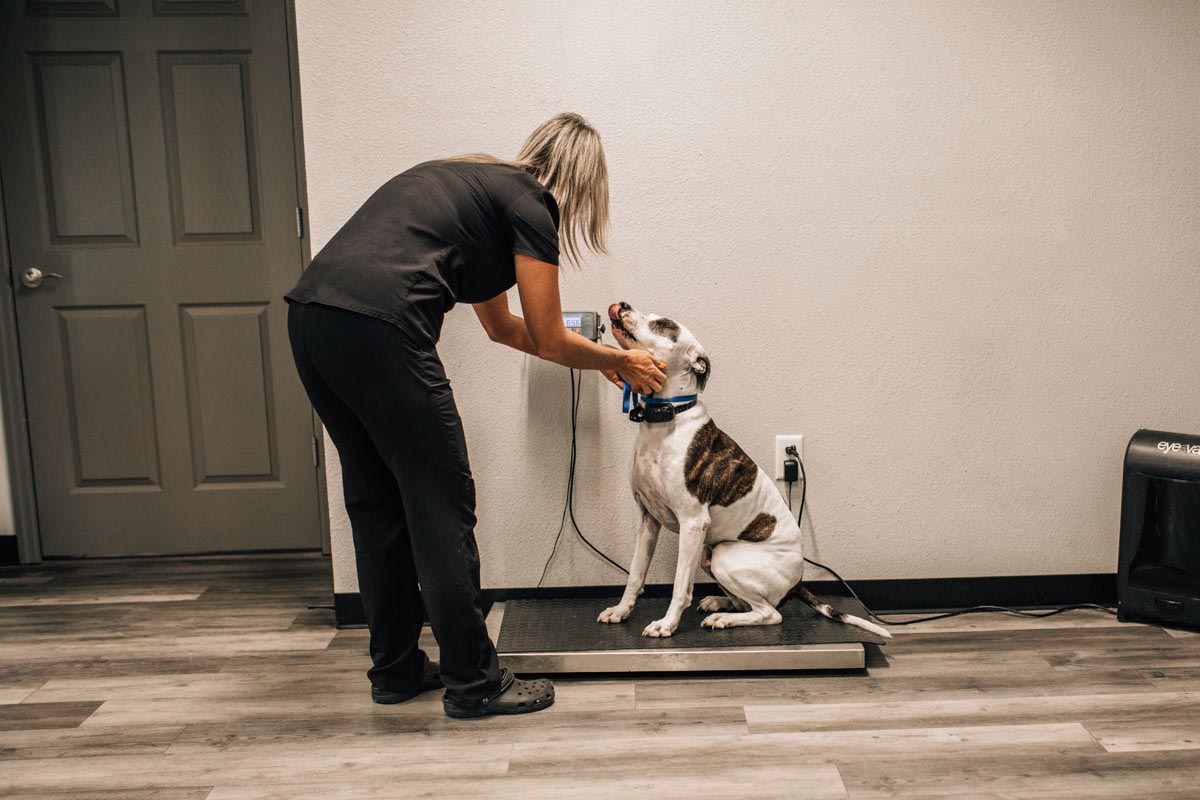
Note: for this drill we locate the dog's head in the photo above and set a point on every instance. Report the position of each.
(663, 338)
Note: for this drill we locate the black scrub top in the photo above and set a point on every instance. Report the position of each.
(440, 233)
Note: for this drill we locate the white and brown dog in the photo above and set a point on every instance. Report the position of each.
(691, 478)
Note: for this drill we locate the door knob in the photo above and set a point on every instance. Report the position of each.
(32, 278)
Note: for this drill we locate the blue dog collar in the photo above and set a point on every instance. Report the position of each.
(657, 409)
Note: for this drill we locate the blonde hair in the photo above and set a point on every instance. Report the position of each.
(565, 155)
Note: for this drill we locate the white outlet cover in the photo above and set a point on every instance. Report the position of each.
(781, 444)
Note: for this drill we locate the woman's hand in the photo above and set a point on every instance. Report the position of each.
(542, 334)
(642, 371)
(613, 376)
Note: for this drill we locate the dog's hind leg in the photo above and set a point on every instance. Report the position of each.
(721, 603)
(761, 614)
(749, 574)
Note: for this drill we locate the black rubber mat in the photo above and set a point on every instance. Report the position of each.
(555, 626)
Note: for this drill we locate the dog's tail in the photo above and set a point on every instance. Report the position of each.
(829, 612)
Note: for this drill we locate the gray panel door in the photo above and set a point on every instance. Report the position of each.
(148, 164)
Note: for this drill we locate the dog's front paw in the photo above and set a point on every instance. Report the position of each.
(617, 613)
(660, 628)
(716, 621)
(715, 603)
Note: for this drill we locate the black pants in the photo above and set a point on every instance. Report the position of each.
(385, 400)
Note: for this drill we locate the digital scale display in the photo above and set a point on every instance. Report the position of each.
(585, 323)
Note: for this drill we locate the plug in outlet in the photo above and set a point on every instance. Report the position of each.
(781, 444)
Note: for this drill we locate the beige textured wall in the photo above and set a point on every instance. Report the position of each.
(953, 244)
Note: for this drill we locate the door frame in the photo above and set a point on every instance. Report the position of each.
(318, 431)
(12, 379)
(12, 404)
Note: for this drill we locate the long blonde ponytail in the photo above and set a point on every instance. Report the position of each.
(564, 153)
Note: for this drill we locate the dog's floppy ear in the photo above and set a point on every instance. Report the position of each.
(701, 366)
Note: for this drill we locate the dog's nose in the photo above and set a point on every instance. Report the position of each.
(625, 306)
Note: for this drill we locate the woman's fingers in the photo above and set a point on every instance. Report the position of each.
(646, 386)
(656, 375)
(613, 376)
(645, 373)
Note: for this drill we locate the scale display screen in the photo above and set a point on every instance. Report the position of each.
(585, 323)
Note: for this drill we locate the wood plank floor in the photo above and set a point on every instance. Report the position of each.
(212, 679)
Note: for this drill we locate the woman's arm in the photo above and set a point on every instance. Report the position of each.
(507, 328)
(541, 332)
(537, 283)
(503, 326)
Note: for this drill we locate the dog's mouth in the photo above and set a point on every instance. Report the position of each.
(618, 326)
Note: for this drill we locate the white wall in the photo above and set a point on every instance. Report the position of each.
(953, 244)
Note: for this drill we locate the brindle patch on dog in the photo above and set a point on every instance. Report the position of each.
(665, 327)
(759, 529)
(716, 471)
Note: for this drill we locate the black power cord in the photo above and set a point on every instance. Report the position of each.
(569, 502)
(794, 454)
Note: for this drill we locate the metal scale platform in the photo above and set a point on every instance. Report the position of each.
(563, 636)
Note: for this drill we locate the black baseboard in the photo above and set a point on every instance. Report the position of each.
(892, 596)
(8, 550)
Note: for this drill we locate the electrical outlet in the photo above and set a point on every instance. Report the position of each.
(781, 444)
